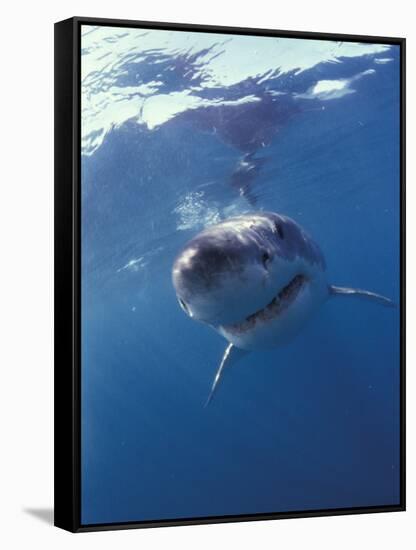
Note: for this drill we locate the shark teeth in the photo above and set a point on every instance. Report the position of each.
(279, 303)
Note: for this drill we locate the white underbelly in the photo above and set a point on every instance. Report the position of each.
(277, 331)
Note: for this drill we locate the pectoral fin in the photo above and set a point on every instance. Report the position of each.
(231, 356)
(358, 292)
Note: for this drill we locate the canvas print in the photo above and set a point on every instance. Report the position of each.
(240, 274)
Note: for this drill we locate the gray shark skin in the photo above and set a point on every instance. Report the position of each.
(256, 279)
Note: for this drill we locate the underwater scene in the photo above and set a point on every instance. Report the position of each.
(240, 286)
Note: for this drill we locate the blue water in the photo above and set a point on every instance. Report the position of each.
(312, 425)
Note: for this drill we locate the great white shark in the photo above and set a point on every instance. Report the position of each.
(256, 279)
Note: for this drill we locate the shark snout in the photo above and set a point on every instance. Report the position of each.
(219, 283)
(202, 267)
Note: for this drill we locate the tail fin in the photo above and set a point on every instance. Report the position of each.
(359, 293)
(244, 175)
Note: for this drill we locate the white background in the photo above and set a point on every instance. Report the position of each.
(26, 290)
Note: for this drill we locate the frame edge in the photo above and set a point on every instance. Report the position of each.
(66, 394)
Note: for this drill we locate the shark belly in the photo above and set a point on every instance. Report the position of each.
(275, 327)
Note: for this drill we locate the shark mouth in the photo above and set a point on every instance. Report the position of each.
(278, 305)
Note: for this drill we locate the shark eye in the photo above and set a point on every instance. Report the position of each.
(279, 230)
(265, 258)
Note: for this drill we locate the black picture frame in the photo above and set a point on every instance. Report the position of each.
(67, 272)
